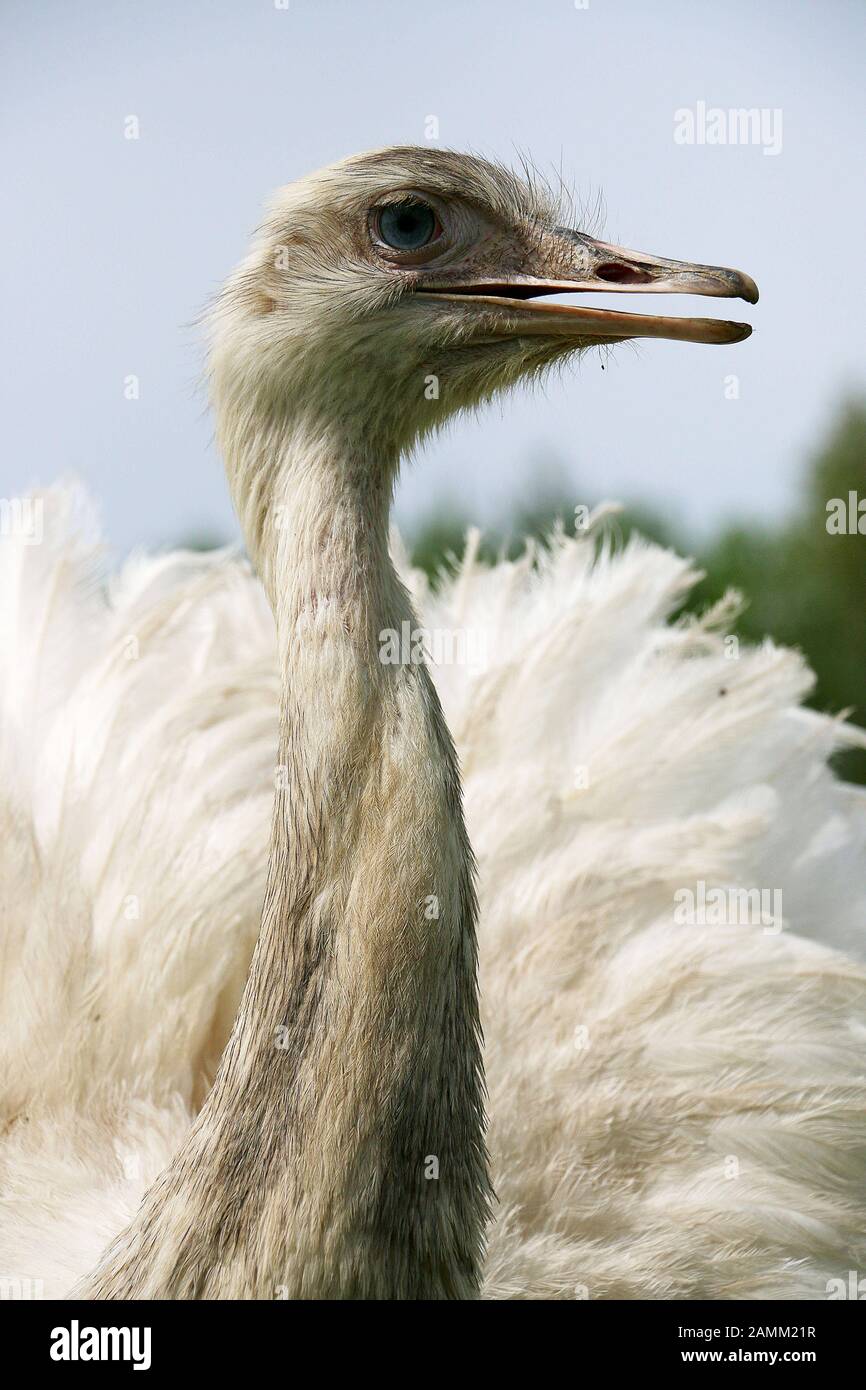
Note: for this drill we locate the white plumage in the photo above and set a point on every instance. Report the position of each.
(676, 1110)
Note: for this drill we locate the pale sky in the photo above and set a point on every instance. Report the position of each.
(112, 246)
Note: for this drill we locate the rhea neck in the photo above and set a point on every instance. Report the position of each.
(340, 1152)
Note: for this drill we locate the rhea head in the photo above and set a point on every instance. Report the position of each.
(388, 291)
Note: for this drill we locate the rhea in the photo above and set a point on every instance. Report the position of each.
(341, 1151)
(307, 1164)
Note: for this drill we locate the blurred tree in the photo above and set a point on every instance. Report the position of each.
(202, 540)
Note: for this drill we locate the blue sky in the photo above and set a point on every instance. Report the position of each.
(112, 246)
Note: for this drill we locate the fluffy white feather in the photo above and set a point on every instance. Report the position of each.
(676, 1111)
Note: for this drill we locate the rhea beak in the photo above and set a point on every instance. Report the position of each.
(597, 265)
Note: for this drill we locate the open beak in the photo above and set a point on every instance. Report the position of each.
(587, 265)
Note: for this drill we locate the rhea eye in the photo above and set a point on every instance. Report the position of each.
(407, 226)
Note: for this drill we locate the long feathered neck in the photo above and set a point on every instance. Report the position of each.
(341, 1151)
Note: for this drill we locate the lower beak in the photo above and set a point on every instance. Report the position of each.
(597, 265)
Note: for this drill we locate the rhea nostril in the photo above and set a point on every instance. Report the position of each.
(618, 274)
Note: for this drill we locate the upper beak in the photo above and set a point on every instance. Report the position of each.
(587, 264)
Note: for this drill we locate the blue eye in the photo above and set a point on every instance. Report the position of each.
(408, 226)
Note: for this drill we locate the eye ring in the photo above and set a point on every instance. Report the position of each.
(407, 226)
